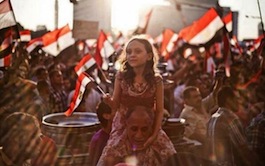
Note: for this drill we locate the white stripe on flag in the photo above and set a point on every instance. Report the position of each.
(7, 20)
(65, 40)
(229, 26)
(52, 49)
(106, 51)
(33, 45)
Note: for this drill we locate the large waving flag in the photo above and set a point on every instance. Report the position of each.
(8, 31)
(169, 39)
(56, 41)
(104, 50)
(202, 30)
(80, 88)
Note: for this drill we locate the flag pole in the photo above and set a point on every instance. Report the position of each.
(262, 25)
(98, 87)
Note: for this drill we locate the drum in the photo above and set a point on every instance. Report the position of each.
(72, 135)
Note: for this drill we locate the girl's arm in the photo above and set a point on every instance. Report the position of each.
(114, 101)
(158, 112)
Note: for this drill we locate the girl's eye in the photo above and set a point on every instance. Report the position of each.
(128, 51)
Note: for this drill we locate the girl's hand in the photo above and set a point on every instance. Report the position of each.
(107, 99)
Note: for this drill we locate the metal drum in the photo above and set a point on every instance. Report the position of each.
(174, 128)
(72, 135)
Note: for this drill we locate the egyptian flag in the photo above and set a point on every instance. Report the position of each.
(143, 24)
(56, 41)
(25, 36)
(168, 43)
(257, 43)
(202, 30)
(86, 64)
(81, 83)
(8, 32)
(34, 44)
(104, 50)
(228, 22)
(119, 42)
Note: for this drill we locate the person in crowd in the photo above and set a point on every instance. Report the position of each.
(256, 130)
(99, 140)
(41, 73)
(22, 144)
(138, 83)
(58, 98)
(227, 142)
(44, 90)
(197, 110)
(139, 122)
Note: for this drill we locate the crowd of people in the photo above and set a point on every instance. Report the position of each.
(225, 113)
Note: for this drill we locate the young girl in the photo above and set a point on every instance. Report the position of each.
(138, 83)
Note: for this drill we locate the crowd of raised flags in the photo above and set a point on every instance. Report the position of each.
(202, 33)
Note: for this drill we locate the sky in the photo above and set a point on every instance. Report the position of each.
(31, 13)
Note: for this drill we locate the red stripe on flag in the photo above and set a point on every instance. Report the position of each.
(80, 88)
(6, 61)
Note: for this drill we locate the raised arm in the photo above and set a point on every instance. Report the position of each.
(114, 100)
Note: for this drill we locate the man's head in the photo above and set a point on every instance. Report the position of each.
(104, 114)
(56, 77)
(20, 137)
(226, 98)
(192, 96)
(139, 122)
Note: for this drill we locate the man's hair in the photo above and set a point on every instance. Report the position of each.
(103, 108)
(188, 90)
(148, 110)
(224, 94)
(39, 70)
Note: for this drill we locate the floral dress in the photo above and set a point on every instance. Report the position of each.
(136, 95)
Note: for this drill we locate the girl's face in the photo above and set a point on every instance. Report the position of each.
(136, 54)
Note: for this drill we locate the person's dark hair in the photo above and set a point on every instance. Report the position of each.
(142, 108)
(14, 123)
(53, 72)
(40, 70)
(103, 108)
(224, 94)
(150, 67)
(188, 90)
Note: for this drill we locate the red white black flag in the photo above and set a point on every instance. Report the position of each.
(202, 30)
(56, 41)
